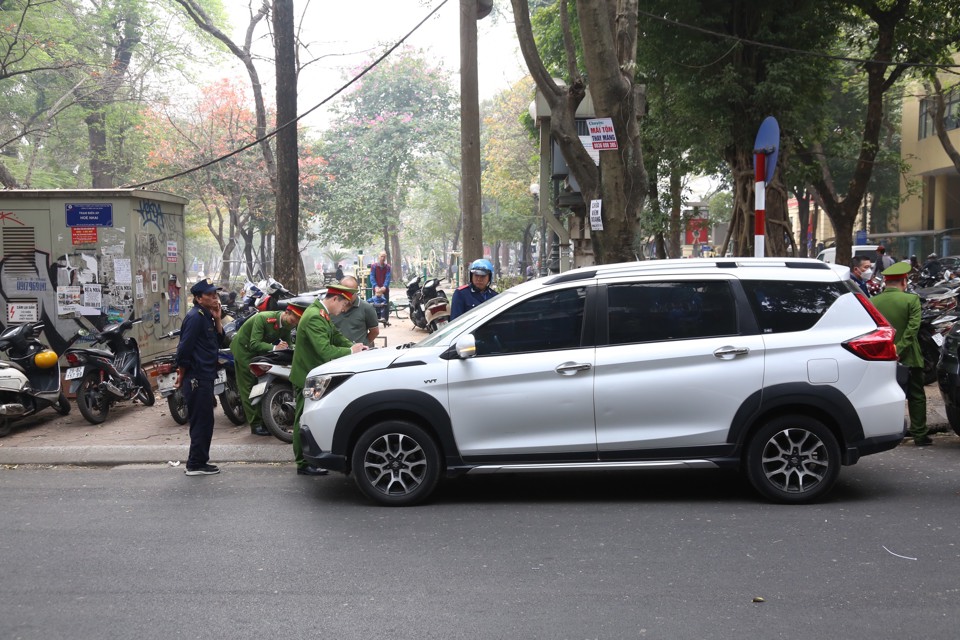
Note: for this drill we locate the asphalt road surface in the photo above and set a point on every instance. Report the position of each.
(258, 552)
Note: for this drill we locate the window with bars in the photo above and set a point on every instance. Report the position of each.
(951, 115)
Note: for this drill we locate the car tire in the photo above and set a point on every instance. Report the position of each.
(396, 463)
(793, 459)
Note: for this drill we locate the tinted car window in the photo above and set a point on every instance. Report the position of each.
(549, 321)
(790, 306)
(650, 311)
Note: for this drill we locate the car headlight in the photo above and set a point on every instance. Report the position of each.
(316, 387)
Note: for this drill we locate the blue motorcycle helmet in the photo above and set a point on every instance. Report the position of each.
(482, 266)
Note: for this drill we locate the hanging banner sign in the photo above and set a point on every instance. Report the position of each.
(602, 135)
(596, 222)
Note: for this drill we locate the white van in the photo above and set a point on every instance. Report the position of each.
(865, 250)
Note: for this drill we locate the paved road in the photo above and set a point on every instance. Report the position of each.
(258, 552)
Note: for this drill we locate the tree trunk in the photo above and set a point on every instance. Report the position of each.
(289, 266)
(101, 172)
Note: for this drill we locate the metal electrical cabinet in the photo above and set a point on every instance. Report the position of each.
(90, 257)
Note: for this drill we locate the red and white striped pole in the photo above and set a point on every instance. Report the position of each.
(760, 204)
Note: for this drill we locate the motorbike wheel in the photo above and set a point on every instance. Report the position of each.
(178, 407)
(279, 410)
(94, 405)
(145, 395)
(230, 401)
(931, 357)
(63, 405)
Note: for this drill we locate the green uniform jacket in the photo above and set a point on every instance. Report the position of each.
(902, 310)
(258, 334)
(318, 342)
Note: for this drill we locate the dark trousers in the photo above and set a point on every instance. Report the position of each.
(198, 394)
(917, 404)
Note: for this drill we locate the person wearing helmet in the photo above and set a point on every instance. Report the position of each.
(264, 332)
(476, 291)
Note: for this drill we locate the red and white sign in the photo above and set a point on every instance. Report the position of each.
(172, 251)
(697, 231)
(602, 135)
(83, 235)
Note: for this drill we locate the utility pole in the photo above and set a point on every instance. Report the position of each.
(470, 198)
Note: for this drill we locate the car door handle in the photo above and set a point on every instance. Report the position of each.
(570, 368)
(729, 353)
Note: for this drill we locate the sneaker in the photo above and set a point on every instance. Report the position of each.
(205, 470)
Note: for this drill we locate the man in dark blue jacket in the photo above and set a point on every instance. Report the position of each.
(477, 291)
(201, 337)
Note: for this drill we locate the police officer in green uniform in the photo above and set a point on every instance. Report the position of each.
(263, 332)
(318, 342)
(902, 311)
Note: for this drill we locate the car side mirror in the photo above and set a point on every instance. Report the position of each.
(466, 346)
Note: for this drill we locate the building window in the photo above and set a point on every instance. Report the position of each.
(951, 118)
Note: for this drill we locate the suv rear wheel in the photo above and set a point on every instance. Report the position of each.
(793, 459)
(396, 463)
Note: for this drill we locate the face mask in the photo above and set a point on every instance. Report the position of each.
(866, 274)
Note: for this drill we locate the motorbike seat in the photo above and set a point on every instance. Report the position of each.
(102, 353)
(281, 357)
(13, 365)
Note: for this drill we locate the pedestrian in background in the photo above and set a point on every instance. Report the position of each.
(318, 341)
(201, 337)
(380, 274)
(861, 271)
(262, 333)
(902, 311)
(359, 323)
(883, 261)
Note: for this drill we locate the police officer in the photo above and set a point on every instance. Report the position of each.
(476, 291)
(201, 336)
(318, 341)
(263, 332)
(902, 311)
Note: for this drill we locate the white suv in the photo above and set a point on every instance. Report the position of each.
(779, 367)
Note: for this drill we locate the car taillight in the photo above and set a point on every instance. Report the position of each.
(876, 345)
(258, 369)
(73, 359)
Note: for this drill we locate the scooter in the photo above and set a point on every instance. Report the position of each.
(429, 307)
(102, 377)
(165, 367)
(30, 382)
(224, 386)
(935, 324)
(274, 392)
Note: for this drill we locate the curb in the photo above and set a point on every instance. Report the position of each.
(111, 455)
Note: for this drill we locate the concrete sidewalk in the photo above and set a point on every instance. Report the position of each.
(134, 434)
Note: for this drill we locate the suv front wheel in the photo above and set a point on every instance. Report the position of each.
(793, 459)
(396, 463)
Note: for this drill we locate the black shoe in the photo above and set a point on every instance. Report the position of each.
(205, 470)
(259, 431)
(925, 441)
(311, 471)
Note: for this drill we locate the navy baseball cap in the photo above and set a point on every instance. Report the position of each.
(204, 286)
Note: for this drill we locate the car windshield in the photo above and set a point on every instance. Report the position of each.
(456, 326)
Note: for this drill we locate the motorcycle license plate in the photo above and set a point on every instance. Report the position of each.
(166, 383)
(73, 373)
(258, 390)
(221, 377)
(938, 339)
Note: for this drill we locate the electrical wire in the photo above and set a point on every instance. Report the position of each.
(816, 54)
(270, 134)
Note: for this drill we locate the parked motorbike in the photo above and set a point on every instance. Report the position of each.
(274, 392)
(224, 386)
(30, 381)
(102, 377)
(166, 369)
(429, 307)
(935, 324)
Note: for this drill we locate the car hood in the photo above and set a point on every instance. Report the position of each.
(376, 359)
